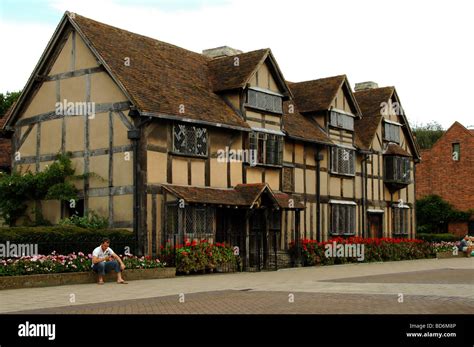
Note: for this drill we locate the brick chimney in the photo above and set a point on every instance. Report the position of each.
(365, 85)
(224, 51)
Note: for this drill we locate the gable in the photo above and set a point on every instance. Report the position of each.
(264, 78)
(74, 76)
(344, 101)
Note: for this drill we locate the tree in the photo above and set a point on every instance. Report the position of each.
(428, 134)
(6, 100)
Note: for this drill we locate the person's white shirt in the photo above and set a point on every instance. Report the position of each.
(100, 253)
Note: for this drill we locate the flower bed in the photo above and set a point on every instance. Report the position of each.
(375, 249)
(200, 256)
(56, 263)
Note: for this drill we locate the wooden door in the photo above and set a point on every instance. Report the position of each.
(375, 225)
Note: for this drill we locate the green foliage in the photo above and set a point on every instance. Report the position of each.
(437, 237)
(52, 183)
(6, 100)
(433, 214)
(427, 135)
(90, 221)
(67, 239)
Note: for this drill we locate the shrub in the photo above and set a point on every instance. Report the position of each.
(433, 214)
(375, 249)
(437, 237)
(90, 221)
(67, 239)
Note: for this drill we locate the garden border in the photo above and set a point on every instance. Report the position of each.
(67, 278)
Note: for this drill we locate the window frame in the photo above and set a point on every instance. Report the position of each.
(276, 107)
(335, 168)
(387, 133)
(454, 145)
(403, 221)
(397, 172)
(187, 128)
(259, 141)
(348, 214)
(338, 115)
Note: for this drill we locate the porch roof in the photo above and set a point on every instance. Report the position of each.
(394, 149)
(242, 195)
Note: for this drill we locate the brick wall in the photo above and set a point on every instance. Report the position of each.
(439, 174)
(5, 149)
(459, 229)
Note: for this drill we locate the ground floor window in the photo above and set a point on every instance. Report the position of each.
(400, 221)
(343, 219)
(190, 222)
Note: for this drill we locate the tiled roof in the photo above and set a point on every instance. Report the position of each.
(301, 127)
(233, 72)
(369, 102)
(160, 77)
(243, 195)
(316, 95)
(394, 149)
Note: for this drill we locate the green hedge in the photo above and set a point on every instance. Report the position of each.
(68, 239)
(437, 237)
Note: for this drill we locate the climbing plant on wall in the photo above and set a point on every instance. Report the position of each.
(53, 183)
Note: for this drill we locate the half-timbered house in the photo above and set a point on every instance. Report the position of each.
(215, 145)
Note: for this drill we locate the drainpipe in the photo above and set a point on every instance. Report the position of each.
(364, 195)
(134, 135)
(319, 157)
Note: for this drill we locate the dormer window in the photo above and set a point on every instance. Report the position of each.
(341, 120)
(265, 100)
(391, 131)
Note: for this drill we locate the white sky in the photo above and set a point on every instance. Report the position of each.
(423, 48)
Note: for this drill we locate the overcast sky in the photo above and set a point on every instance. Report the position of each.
(423, 48)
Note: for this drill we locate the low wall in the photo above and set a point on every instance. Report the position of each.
(449, 254)
(59, 279)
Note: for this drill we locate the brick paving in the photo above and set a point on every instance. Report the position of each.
(428, 286)
(258, 302)
(441, 276)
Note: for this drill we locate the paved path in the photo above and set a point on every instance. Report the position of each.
(370, 287)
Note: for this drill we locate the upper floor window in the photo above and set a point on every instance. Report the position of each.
(341, 120)
(342, 161)
(391, 132)
(456, 151)
(188, 139)
(268, 148)
(265, 101)
(397, 169)
(343, 219)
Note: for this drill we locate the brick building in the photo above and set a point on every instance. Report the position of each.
(447, 170)
(5, 149)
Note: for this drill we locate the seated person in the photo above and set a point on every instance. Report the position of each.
(104, 260)
(466, 244)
